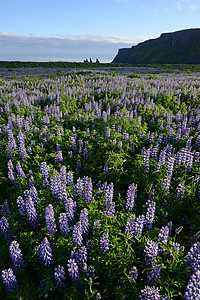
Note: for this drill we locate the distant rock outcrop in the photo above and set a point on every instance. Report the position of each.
(180, 47)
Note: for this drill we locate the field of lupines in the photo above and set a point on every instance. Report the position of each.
(100, 186)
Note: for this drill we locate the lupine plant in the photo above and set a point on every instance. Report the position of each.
(100, 186)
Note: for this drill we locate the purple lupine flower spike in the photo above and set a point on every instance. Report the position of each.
(59, 276)
(70, 209)
(31, 212)
(21, 205)
(79, 187)
(9, 279)
(88, 190)
(154, 274)
(149, 293)
(109, 203)
(20, 172)
(104, 243)
(5, 228)
(16, 255)
(150, 214)
(151, 252)
(50, 221)
(63, 224)
(77, 233)
(193, 287)
(44, 252)
(34, 195)
(192, 258)
(73, 270)
(5, 209)
(163, 236)
(130, 196)
(84, 221)
(133, 274)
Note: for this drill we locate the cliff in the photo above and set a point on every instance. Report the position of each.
(180, 47)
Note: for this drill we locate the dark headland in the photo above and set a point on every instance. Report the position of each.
(179, 47)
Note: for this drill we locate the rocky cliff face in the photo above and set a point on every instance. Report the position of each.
(180, 47)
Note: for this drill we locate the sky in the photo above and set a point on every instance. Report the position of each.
(73, 30)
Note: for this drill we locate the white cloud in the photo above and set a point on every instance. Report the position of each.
(69, 47)
(194, 7)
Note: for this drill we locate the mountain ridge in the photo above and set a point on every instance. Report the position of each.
(181, 47)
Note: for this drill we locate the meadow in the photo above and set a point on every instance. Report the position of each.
(100, 184)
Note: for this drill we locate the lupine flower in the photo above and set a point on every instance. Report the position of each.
(90, 272)
(133, 274)
(150, 214)
(31, 212)
(109, 203)
(84, 221)
(96, 224)
(63, 221)
(154, 274)
(163, 235)
(22, 151)
(151, 252)
(70, 182)
(16, 255)
(63, 175)
(45, 184)
(180, 191)
(138, 227)
(20, 172)
(59, 276)
(55, 185)
(150, 293)
(50, 221)
(44, 252)
(192, 259)
(88, 190)
(58, 158)
(79, 187)
(31, 181)
(130, 196)
(9, 279)
(107, 132)
(146, 158)
(5, 228)
(80, 255)
(73, 270)
(77, 233)
(5, 209)
(11, 176)
(70, 209)
(193, 287)
(104, 243)
(44, 170)
(166, 183)
(134, 227)
(21, 205)
(110, 209)
(129, 225)
(34, 195)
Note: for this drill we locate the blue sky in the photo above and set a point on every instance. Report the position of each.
(78, 29)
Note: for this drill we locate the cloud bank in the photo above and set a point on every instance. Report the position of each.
(66, 48)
